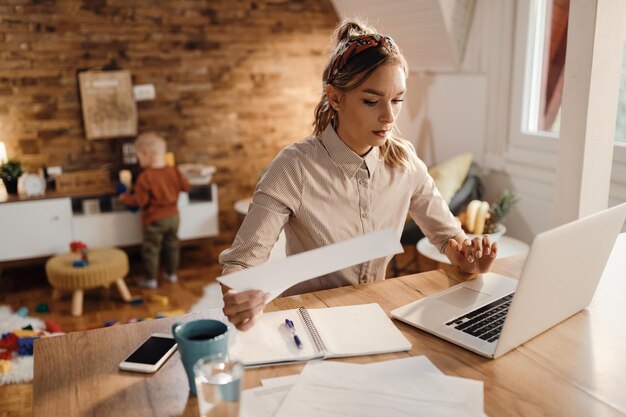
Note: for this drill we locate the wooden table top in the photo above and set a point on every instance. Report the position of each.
(575, 369)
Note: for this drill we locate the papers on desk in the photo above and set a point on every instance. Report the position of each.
(403, 387)
(276, 277)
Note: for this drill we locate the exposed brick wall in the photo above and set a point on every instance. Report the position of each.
(235, 80)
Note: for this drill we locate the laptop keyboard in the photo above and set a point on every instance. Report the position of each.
(485, 322)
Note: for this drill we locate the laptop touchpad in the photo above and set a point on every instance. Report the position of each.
(464, 297)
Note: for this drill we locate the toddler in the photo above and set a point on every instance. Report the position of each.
(156, 192)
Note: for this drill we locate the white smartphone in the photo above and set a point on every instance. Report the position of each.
(152, 353)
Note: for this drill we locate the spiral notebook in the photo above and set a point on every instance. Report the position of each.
(331, 332)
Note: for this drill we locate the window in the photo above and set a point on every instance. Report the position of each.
(548, 45)
(548, 41)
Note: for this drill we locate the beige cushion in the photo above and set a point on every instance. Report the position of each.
(449, 175)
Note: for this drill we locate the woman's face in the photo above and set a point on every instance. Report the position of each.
(368, 112)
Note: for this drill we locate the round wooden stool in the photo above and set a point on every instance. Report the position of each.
(106, 265)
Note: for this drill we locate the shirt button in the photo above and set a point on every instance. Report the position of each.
(363, 182)
(365, 215)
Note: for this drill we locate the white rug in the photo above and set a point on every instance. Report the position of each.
(22, 367)
(212, 298)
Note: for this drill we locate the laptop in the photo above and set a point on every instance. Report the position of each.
(493, 313)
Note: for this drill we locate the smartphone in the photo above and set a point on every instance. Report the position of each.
(152, 353)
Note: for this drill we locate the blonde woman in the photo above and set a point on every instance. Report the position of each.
(351, 177)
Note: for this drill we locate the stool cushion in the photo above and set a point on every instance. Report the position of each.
(106, 265)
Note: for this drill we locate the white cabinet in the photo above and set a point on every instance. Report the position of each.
(30, 229)
(198, 218)
(117, 228)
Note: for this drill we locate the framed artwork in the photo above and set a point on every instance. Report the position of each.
(109, 109)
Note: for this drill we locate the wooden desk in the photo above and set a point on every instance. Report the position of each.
(575, 369)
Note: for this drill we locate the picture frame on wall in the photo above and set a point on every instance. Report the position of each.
(108, 105)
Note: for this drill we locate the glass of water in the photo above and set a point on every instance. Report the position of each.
(218, 382)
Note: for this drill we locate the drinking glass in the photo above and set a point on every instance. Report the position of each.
(218, 384)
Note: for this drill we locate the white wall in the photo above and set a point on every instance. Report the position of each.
(445, 115)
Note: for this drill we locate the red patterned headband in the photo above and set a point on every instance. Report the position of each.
(354, 47)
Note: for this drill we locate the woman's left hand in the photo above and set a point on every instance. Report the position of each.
(472, 256)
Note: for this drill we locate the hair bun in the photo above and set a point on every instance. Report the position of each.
(350, 28)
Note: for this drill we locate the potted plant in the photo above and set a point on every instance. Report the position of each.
(10, 172)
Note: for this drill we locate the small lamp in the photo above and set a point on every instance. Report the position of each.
(3, 153)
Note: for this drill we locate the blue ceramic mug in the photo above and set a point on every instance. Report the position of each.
(197, 339)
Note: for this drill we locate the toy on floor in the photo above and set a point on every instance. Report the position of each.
(22, 311)
(26, 345)
(42, 308)
(53, 326)
(177, 312)
(161, 299)
(136, 300)
(9, 342)
(26, 333)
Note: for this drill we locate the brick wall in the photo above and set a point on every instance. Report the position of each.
(235, 80)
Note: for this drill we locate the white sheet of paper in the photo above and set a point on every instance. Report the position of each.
(413, 364)
(278, 276)
(262, 401)
(349, 389)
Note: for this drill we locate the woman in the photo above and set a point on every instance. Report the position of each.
(351, 177)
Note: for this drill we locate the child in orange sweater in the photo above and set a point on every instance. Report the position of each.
(156, 192)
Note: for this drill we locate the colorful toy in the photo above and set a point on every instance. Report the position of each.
(5, 366)
(176, 312)
(26, 345)
(28, 327)
(53, 327)
(121, 189)
(9, 342)
(42, 308)
(22, 311)
(25, 333)
(79, 247)
(161, 299)
(79, 263)
(6, 355)
(136, 300)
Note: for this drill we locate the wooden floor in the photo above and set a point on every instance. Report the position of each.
(27, 286)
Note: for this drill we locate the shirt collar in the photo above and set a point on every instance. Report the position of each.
(345, 157)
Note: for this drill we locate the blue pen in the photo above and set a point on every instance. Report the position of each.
(292, 327)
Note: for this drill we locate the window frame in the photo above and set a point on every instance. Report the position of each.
(536, 148)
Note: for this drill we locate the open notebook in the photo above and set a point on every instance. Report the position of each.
(331, 332)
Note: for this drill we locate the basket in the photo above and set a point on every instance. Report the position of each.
(94, 180)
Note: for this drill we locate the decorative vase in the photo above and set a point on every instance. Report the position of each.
(10, 185)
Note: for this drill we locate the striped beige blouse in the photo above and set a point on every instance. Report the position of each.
(321, 192)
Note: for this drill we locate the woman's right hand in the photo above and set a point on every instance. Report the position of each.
(244, 308)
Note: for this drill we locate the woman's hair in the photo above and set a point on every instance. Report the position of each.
(349, 65)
